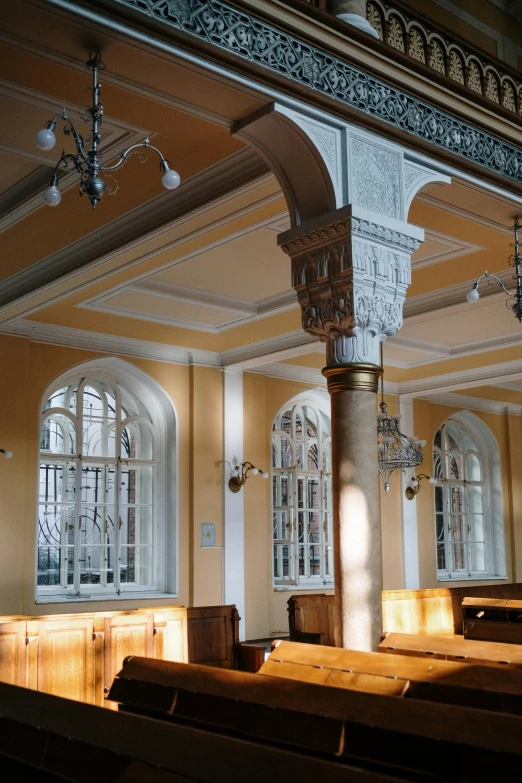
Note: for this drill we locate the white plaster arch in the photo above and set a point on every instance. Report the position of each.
(165, 419)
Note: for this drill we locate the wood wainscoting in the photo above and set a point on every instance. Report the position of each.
(432, 611)
(77, 656)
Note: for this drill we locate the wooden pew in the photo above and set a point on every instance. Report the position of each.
(430, 611)
(409, 739)
(492, 619)
(213, 639)
(483, 687)
(454, 649)
(48, 739)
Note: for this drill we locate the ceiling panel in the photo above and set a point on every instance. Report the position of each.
(167, 309)
(13, 169)
(250, 267)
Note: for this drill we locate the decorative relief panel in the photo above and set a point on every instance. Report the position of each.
(416, 48)
(492, 88)
(437, 58)
(351, 280)
(256, 41)
(456, 69)
(375, 178)
(395, 37)
(326, 141)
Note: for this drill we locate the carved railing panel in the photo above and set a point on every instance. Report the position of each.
(449, 56)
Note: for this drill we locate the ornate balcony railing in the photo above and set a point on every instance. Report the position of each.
(449, 56)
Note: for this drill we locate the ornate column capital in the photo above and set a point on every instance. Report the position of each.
(351, 270)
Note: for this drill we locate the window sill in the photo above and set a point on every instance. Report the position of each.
(451, 580)
(300, 588)
(61, 599)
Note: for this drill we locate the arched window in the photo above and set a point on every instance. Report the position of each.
(468, 504)
(302, 495)
(101, 497)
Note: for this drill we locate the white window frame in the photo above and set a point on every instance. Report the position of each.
(488, 455)
(158, 405)
(319, 401)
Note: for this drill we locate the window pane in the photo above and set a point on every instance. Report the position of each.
(314, 558)
(98, 484)
(282, 456)
(282, 564)
(455, 467)
(459, 557)
(473, 468)
(437, 465)
(136, 485)
(475, 499)
(478, 556)
(136, 565)
(55, 566)
(137, 441)
(469, 443)
(453, 438)
(58, 435)
(99, 410)
(97, 544)
(313, 457)
(57, 483)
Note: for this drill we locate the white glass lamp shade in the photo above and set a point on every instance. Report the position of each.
(255, 471)
(171, 179)
(473, 295)
(8, 454)
(264, 475)
(45, 139)
(431, 480)
(52, 196)
(415, 483)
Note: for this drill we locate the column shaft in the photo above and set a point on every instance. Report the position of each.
(357, 530)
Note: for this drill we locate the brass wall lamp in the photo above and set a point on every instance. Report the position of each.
(415, 485)
(236, 482)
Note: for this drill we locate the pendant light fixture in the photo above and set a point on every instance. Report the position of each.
(515, 302)
(86, 161)
(395, 450)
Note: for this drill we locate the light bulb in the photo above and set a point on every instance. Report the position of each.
(170, 179)
(52, 196)
(421, 443)
(431, 480)
(473, 295)
(415, 483)
(8, 454)
(45, 139)
(264, 475)
(254, 471)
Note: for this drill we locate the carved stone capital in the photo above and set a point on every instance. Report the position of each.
(351, 278)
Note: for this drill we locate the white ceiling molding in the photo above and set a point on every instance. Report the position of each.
(517, 387)
(275, 349)
(238, 173)
(462, 379)
(453, 248)
(247, 311)
(468, 402)
(26, 196)
(107, 343)
(464, 213)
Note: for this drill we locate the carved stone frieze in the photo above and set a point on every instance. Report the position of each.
(375, 177)
(351, 279)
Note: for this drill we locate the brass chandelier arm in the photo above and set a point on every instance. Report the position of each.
(123, 157)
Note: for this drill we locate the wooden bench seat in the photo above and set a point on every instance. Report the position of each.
(406, 738)
(454, 649)
(492, 619)
(484, 687)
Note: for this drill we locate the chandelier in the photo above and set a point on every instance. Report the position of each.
(395, 451)
(515, 303)
(87, 159)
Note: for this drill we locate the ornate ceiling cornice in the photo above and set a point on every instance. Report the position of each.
(255, 40)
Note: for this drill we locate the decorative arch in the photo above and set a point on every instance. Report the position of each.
(107, 524)
(469, 519)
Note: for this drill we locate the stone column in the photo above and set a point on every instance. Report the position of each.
(351, 276)
(352, 12)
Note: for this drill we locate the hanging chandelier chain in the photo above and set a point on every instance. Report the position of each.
(87, 162)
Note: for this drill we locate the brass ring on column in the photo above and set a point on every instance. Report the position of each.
(358, 376)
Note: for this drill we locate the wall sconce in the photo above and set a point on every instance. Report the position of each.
(236, 482)
(7, 454)
(415, 485)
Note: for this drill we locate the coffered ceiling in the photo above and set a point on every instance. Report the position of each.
(196, 274)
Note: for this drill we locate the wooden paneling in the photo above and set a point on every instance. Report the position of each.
(66, 658)
(76, 656)
(12, 653)
(213, 633)
(126, 635)
(431, 612)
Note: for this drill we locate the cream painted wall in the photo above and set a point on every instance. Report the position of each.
(266, 608)
(428, 417)
(197, 395)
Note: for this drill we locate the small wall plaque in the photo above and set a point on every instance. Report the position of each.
(208, 534)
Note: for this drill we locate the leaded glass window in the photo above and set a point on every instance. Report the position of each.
(461, 504)
(302, 497)
(97, 481)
